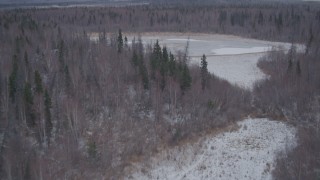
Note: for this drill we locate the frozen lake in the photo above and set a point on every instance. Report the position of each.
(229, 57)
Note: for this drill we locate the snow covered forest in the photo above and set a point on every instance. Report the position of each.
(74, 108)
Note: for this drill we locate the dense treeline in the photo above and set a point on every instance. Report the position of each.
(74, 108)
(282, 22)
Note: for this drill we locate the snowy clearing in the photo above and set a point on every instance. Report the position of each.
(246, 153)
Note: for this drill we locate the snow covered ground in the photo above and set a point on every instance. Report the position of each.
(246, 153)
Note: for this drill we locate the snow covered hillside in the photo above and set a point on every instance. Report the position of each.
(245, 153)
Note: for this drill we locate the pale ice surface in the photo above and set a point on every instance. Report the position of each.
(246, 153)
(238, 51)
(238, 69)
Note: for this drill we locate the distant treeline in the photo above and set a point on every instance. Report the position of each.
(281, 22)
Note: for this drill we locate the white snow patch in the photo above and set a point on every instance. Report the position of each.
(247, 153)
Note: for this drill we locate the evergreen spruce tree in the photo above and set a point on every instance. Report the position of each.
(157, 50)
(47, 107)
(165, 55)
(126, 41)
(67, 77)
(17, 44)
(204, 72)
(28, 101)
(164, 61)
(144, 75)
(135, 59)
(13, 78)
(155, 60)
(172, 65)
(12, 86)
(298, 70)
(120, 41)
(156, 55)
(26, 58)
(291, 55)
(38, 82)
(185, 80)
(164, 67)
(61, 51)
